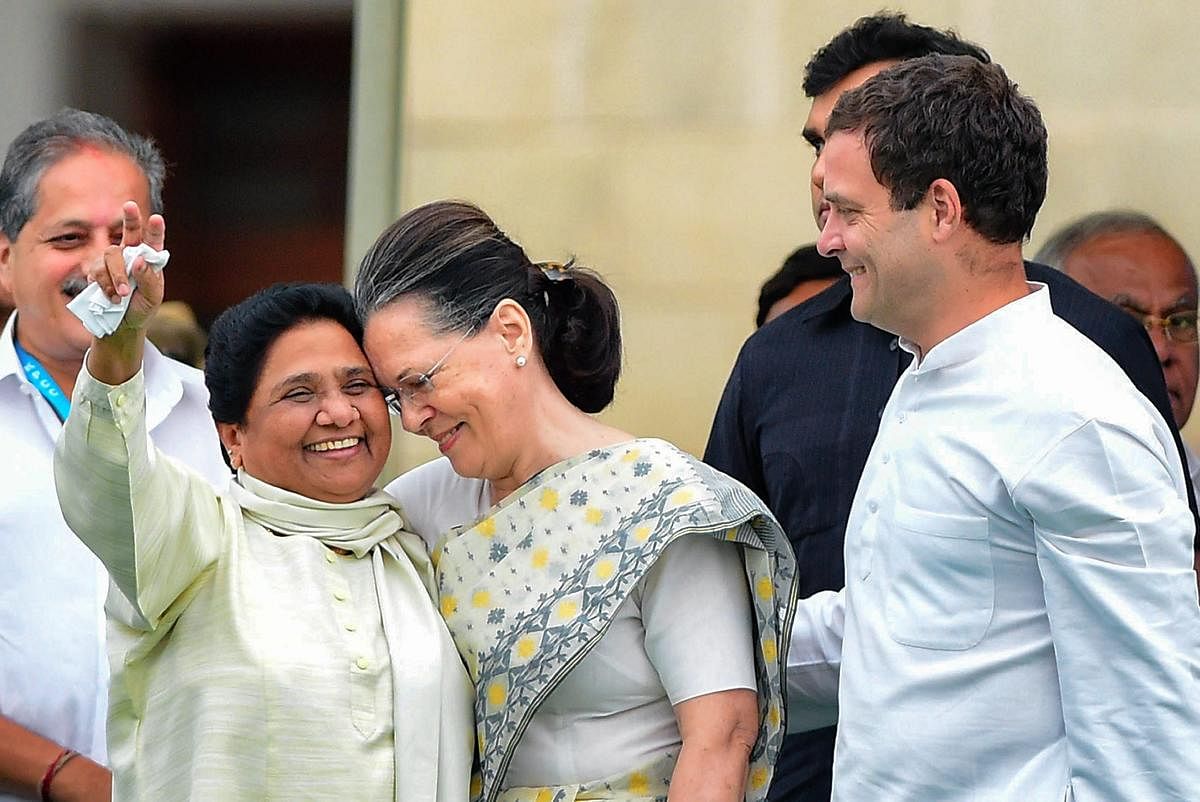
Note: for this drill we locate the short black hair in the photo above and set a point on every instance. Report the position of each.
(243, 334)
(803, 264)
(885, 36)
(958, 119)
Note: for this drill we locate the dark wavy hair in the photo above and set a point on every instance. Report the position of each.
(458, 262)
(884, 36)
(243, 334)
(956, 118)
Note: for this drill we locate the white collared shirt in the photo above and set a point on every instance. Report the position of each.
(1021, 617)
(53, 662)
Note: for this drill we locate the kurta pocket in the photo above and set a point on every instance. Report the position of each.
(940, 591)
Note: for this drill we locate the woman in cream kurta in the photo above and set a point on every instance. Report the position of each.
(265, 644)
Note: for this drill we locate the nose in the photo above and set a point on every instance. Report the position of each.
(1162, 345)
(830, 242)
(91, 254)
(97, 244)
(414, 415)
(337, 410)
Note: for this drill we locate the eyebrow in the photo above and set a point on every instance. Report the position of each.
(311, 377)
(1185, 303)
(51, 229)
(812, 136)
(835, 199)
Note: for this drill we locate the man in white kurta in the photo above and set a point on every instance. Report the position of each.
(61, 189)
(53, 663)
(1020, 614)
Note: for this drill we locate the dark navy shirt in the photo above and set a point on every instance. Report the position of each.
(799, 415)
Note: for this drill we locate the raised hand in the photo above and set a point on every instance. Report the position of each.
(110, 273)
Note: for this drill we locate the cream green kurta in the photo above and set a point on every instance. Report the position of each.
(254, 662)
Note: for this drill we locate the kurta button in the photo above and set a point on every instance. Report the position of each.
(329, 556)
(887, 458)
(900, 417)
(339, 595)
(351, 626)
(362, 663)
(872, 506)
(120, 400)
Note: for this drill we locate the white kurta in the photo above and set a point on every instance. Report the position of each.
(53, 665)
(614, 711)
(256, 666)
(1021, 618)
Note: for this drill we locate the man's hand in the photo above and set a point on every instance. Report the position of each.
(111, 276)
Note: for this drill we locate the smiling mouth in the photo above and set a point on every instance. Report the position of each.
(444, 437)
(334, 445)
(856, 271)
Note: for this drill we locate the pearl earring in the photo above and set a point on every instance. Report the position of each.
(521, 360)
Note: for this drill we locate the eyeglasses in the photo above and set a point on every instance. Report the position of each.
(1179, 327)
(414, 388)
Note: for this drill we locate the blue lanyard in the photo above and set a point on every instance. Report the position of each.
(40, 378)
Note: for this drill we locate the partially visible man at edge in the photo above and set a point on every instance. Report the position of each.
(801, 407)
(62, 187)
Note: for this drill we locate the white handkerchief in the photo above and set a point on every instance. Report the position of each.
(101, 316)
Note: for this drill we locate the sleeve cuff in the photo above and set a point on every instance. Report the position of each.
(125, 403)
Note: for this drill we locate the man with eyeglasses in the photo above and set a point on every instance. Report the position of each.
(1128, 258)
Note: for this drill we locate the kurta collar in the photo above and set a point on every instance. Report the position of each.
(996, 327)
(164, 389)
(9, 364)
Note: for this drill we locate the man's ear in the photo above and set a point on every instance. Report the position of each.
(512, 323)
(6, 253)
(945, 207)
(231, 439)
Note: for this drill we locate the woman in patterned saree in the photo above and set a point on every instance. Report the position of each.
(619, 605)
(276, 640)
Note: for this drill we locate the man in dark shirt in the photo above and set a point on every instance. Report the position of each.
(801, 408)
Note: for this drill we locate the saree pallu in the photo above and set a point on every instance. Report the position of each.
(530, 588)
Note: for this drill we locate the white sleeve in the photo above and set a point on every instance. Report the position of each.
(156, 525)
(696, 613)
(814, 660)
(1113, 535)
(434, 499)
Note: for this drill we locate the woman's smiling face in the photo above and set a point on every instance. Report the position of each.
(317, 423)
(468, 405)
